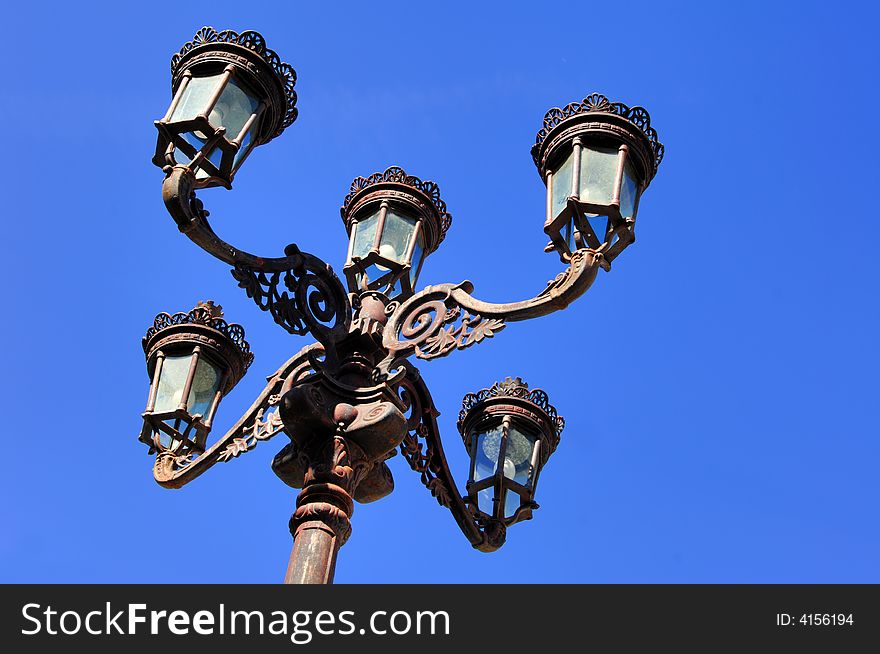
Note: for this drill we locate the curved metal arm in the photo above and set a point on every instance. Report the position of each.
(317, 301)
(447, 317)
(259, 423)
(430, 463)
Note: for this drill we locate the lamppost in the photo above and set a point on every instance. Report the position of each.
(352, 399)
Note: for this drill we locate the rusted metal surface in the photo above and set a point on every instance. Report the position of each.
(352, 400)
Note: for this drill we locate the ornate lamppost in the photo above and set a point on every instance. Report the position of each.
(352, 399)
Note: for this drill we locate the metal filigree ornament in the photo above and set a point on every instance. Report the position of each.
(352, 400)
(596, 158)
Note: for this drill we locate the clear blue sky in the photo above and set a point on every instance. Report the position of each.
(720, 384)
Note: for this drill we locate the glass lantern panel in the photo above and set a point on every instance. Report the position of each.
(485, 501)
(517, 465)
(511, 502)
(376, 271)
(205, 384)
(195, 98)
(233, 109)
(364, 234)
(599, 225)
(394, 291)
(629, 192)
(485, 464)
(518, 456)
(568, 233)
(418, 251)
(167, 441)
(246, 144)
(488, 446)
(164, 440)
(171, 382)
(598, 174)
(560, 185)
(197, 140)
(396, 236)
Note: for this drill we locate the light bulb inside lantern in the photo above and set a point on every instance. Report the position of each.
(387, 251)
(519, 450)
(205, 378)
(509, 468)
(492, 443)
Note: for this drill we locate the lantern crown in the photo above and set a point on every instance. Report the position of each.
(515, 388)
(210, 46)
(396, 183)
(598, 109)
(204, 314)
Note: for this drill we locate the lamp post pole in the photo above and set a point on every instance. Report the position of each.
(321, 523)
(353, 398)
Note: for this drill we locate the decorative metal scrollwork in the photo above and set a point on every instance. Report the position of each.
(437, 328)
(447, 317)
(314, 301)
(259, 423)
(263, 289)
(417, 452)
(470, 330)
(423, 451)
(267, 423)
(302, 293)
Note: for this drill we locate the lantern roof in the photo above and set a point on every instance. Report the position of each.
(206, 314)
(513, 387)
(597, 107)
(250, 44)
(394, 179)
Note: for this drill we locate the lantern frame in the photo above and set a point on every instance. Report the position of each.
(231, 55)
(201, 333)
(595, 122)
(392, 190)
(506, 404)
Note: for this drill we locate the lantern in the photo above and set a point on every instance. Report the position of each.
(510, 433)
(193, 360)
(394, 221)
(230, 94)
(596, 158)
